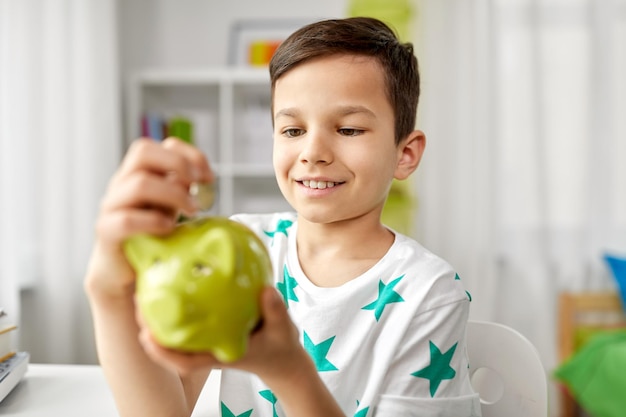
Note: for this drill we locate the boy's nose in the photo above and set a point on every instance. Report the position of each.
(317, 149)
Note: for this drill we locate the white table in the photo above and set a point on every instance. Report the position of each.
(78, 391)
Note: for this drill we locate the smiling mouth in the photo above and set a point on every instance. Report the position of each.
(319, 185)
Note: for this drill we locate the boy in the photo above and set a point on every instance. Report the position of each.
(365, 322)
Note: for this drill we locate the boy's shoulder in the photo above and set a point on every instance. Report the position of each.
(428, 273)
(408, 249)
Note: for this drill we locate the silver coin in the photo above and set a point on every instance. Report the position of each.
(203, 193)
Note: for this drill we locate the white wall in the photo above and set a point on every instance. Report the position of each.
(194, 33)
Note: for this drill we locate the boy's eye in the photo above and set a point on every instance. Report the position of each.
(293, 133)
(347, 131)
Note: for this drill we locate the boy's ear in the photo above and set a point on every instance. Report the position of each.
(410, 153)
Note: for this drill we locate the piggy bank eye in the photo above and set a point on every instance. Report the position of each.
(201, 270)
(156, 262)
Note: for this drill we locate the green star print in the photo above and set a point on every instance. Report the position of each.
(439, 368)
(319, 352)
(227, 413)
(361, 413)
(269, 396)
(458, 278)
(281, 227)
(386, 295)
(287, 286)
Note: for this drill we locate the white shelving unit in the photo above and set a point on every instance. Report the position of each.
(230, 111)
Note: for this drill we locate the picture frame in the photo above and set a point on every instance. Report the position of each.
(252, 42)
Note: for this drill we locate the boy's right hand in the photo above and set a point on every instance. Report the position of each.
(146, 195)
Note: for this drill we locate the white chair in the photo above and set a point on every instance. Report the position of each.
(506, 371)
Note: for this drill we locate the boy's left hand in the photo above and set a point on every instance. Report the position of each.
(274, 351)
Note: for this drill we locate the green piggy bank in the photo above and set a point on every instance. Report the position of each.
(198, 289)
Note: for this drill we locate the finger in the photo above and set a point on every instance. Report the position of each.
(273, 308)
(138, 316)
(143, 189)
(120, 225)
(198, 160)
(149, 155)
(182, 362)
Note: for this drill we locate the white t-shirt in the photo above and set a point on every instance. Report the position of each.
(390, 342)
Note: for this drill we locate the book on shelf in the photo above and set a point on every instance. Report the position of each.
(159, 126)
(154, 126)
(13, 364)
(197, 127)
(7, 336)
(12, 371)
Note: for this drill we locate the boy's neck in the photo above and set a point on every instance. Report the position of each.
(333, 254)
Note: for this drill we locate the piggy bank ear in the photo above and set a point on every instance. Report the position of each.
(142, 251)
(217, 244)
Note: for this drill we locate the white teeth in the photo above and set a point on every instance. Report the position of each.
(320, 185)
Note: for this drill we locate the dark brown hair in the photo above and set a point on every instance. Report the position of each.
(358, 36)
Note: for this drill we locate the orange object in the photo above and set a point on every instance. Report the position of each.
(260, 52)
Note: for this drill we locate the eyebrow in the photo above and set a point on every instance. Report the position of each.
(342, 110)
(288, 112)
(348, 110)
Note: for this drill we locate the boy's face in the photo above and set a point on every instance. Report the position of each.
(334, 149)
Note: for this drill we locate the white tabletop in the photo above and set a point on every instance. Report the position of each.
(60, 390)
(78, 391)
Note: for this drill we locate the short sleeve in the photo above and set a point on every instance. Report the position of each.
(461, 406)
(429, 376)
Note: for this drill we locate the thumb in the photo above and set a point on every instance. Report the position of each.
(272, 305)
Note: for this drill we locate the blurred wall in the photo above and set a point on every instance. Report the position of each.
(194, 33)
